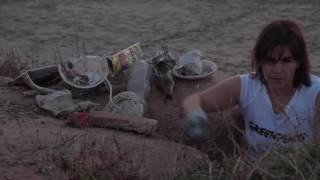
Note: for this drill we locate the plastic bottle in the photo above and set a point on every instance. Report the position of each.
(140, 77)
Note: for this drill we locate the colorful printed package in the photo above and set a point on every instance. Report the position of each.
(123, 59)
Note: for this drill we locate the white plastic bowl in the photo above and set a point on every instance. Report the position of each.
(94, 68)
(209, 68)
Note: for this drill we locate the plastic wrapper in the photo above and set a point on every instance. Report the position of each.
(123, 59)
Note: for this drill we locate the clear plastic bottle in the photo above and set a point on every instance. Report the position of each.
(140, 77)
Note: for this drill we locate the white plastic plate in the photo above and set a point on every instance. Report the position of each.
(209, 68)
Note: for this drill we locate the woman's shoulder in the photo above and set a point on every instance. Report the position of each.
(250, 79)
(251, 87)
(315, 85)
(250, 84)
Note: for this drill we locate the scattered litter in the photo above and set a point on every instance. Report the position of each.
(190, 63)
(60, 103)
(163, 64)
(32, 85)
(125, 110)
(57, 102)
(140, 78)
(126, 103)
(86, 106)
(37, 78)
(163, 55)
(209, 68)
(40, 76)
(123, 59)
(84, 72)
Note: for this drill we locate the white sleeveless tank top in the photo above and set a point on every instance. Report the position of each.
(264, 128)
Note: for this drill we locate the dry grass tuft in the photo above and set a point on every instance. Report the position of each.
(84, 158)
(10, 63)
(301, 162)
(297, 162)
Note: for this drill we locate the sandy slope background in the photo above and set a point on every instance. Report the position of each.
(42, 32)
(224, 31)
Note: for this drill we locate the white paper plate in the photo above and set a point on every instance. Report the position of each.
(209, 68)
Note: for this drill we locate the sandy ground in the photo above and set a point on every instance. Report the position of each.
(43, 32)
(224, 31)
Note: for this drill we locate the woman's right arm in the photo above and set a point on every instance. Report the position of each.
(217, 98)
(221, 96)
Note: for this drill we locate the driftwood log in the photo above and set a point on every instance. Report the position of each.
(105, 119)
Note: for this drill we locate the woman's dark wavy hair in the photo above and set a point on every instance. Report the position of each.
(285, 33)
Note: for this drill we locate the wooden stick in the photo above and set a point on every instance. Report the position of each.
(116, 121)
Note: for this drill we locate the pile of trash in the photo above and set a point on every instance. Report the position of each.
(54, 86)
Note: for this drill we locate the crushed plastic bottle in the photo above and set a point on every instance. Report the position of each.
(140, 77)
(163, 63)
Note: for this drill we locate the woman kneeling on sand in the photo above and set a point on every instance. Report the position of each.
(279, 101)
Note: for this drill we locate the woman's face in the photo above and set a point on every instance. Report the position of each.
(279, 68)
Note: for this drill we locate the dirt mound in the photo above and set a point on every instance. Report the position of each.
(37, 146)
